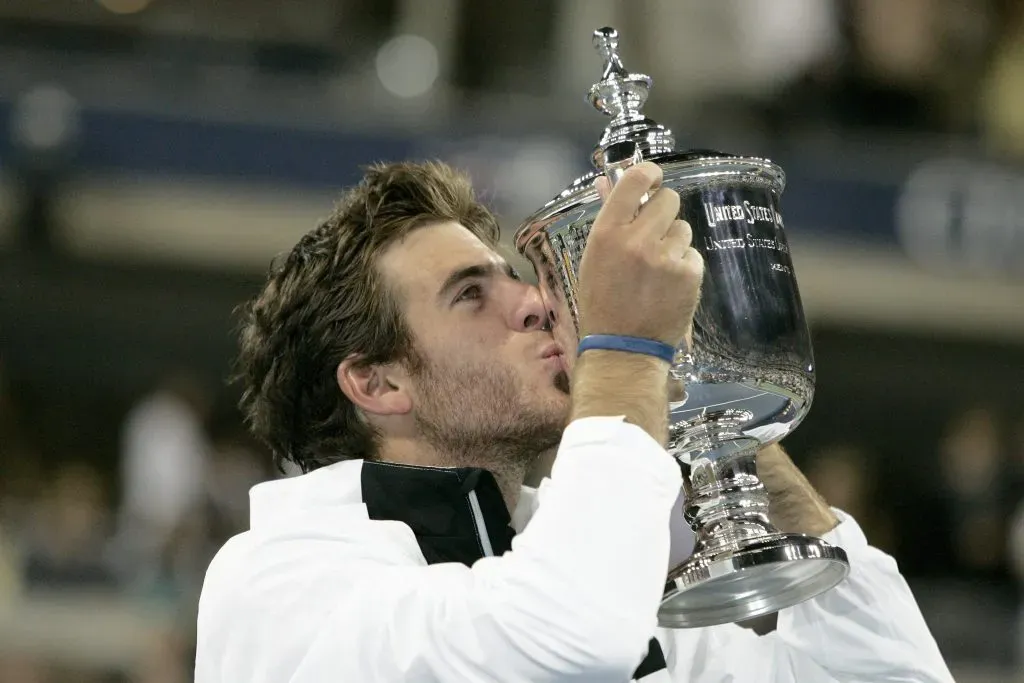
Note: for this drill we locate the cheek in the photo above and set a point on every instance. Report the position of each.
(468, 346)
(450, 337)
(463, 352)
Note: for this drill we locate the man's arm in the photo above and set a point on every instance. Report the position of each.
(575, 599)
(867, 628)
(795, 507)
(639, 277)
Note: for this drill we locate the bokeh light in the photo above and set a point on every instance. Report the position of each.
(125, 6)
(407, 66)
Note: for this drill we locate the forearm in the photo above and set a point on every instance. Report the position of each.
(796, 507)
(617, 383)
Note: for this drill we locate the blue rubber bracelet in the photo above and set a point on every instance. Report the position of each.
(614, 342)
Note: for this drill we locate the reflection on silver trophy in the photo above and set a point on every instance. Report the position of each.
(748, 378)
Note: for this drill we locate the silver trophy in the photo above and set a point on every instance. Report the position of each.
(747, 378)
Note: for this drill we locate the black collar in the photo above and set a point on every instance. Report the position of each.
(457, 514)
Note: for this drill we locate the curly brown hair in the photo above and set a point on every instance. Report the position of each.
(327, 301)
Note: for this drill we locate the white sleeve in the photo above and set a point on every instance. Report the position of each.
(574, 600)
(868, 627)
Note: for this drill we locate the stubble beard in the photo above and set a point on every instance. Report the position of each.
(475, 416)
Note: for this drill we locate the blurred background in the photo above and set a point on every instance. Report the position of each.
(156, 154)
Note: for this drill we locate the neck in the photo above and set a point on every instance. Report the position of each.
(509, 469)
(510, 486)
(541, 468)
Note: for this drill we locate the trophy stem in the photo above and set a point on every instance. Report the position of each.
(726, 503)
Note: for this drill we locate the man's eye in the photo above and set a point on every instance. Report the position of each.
(470, 293)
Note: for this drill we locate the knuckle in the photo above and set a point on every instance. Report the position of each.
(634, 249)
(642, 175)
(598, 235)
(696, 267)
(670, 259)
(685, 268)
(670, 252)
(650, 170)
(674, 199)
(655, 260)
(635, 174)
(667, 197)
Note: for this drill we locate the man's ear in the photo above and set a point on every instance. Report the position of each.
(378, 389)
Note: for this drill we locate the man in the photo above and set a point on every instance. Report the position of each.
(399, 361)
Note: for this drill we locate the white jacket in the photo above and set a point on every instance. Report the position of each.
(360, 573)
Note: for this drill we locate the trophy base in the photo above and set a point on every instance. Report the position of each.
(750, 580)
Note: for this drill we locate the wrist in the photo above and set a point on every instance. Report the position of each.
(644, 346)
(620, 363)
(801, 511)
(607, 382)
(819, 522)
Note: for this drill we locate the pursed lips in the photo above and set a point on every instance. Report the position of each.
(554, 353)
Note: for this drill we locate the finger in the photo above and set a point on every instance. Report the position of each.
(659, 213)
(603, 187)
(694, 261)
(677, 239)
(624, 200)
(680, 231)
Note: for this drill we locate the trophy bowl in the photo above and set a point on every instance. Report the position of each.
(744, 379)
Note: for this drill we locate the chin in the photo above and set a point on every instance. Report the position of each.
(556, 397)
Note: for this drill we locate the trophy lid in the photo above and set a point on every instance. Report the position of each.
(622, 95)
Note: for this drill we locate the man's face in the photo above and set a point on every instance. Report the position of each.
(491, 377)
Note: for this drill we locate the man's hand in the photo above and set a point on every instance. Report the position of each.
(795, 506)
(639, 277)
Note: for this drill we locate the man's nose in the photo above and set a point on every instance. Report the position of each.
(531, 314)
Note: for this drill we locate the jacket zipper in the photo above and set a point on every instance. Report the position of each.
(478, 521)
